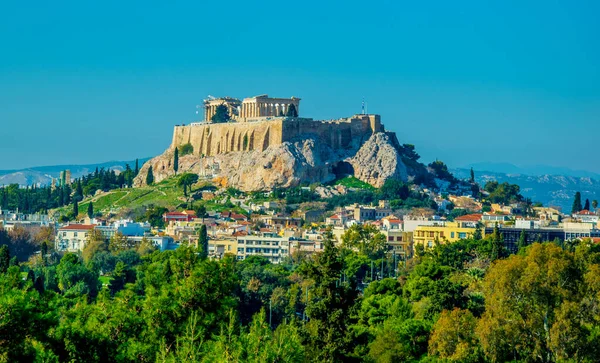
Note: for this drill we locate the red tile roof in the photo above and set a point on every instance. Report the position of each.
(77, 227)
(335, 216)
(585, 212)
(469, 218)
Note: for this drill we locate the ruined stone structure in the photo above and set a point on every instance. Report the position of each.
(252, 108)
(209, 139)
(260, 150)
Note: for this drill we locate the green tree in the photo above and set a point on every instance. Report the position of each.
(186, 181)
(221, 115)
(472, 179)
(150, 176)
(292, 111)
(4, 259)
(75, 209)
(137, 167)
(120, 276)
(90, 210)
(586, 206)
(176, 160)
(577, 207)
(594, 204)
(119, 243)
(522, 243)
(453, 337)
(203, 241)
(186, 149)
(366, 239)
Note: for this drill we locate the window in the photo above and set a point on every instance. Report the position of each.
(462, 235)
(75, 234)
(451, 234)
(430, 244)
(391, 238)
(399, 238)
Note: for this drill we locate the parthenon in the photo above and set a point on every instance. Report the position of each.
(251, 108)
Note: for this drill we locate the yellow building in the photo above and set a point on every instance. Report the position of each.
(220, 246)
(399, 241)
(443, 233)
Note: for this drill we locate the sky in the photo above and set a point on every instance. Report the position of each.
(466, 82)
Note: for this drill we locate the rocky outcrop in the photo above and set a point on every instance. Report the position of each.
(307, 160)
(378, 160)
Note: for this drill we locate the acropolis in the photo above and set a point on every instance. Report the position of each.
(259, 122)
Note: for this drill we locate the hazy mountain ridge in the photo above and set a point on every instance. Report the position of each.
(552, 190)
(42, 175)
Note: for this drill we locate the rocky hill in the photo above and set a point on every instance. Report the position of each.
(304, 160)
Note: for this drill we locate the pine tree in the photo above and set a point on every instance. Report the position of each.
(587, 205)
(291, 111)
(577, 203)
(150, 176)
(137, 167)
(176, 160)
(90, 211)
(203, 241)
(75, 209)
(472, 176)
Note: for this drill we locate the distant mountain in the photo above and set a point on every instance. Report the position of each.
(508, 168)
(551, 190)
(42, 175)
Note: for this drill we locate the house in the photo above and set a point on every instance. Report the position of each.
(73, 237)
(469, 220)
(335, 220)
(391, 222)
(185, 216)
(366, 213)
(586, 216)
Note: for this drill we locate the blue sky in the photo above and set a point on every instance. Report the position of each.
(470, 81)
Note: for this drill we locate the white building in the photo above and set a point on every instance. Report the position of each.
(273, 248)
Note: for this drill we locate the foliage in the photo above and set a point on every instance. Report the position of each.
(504, 193)
(186, 149)
(221, 114)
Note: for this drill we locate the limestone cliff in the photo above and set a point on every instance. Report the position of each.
(304, 160)
(378, 160)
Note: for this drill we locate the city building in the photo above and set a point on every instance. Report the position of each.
(267, 245)
(428, 235)
(73, 237)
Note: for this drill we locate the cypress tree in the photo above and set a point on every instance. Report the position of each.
(587, 205)
(75, 209)
(203, 241)
(577, 203)
(137, 167)
(472, 176)
(4, 259)
(522, 240)
(176, 160)
(90, 211)
(150, 176)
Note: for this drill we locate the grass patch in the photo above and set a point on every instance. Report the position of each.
(105, 280)
(352, 182)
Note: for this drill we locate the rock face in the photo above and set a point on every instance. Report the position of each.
(288, 164)
(378, 160)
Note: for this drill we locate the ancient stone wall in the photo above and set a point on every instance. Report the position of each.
(216, 139)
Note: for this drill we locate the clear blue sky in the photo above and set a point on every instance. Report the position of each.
(469, 81)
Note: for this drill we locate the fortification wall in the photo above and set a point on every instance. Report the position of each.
(215, 139)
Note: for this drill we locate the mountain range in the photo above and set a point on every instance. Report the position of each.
(551, 190)
(43, 175)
